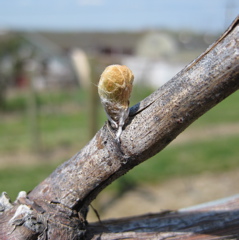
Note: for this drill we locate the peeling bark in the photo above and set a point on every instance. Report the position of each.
(57, 207)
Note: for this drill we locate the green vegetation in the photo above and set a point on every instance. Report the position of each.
(225, 112)
(15, 179)
(63, 121)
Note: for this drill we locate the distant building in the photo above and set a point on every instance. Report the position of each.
(154, 56)
(156, 45)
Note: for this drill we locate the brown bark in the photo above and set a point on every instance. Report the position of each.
(215, 220)
(56, 208)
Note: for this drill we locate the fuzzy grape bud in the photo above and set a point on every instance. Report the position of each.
(114, 89)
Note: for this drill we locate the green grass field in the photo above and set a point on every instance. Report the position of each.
(64, 121)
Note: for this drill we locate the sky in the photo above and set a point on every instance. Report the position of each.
(117, 15)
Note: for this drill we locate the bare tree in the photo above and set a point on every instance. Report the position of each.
(57, 207)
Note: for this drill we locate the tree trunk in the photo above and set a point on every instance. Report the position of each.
(56, 208)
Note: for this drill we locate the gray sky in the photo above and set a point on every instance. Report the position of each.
(130, 15)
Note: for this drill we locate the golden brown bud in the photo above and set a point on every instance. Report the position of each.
(114, 89)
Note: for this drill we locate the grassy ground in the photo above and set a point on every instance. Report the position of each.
(63, 123)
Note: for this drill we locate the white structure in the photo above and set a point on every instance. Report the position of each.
(151, 72)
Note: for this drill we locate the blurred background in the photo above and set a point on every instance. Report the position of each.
(51, 56)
